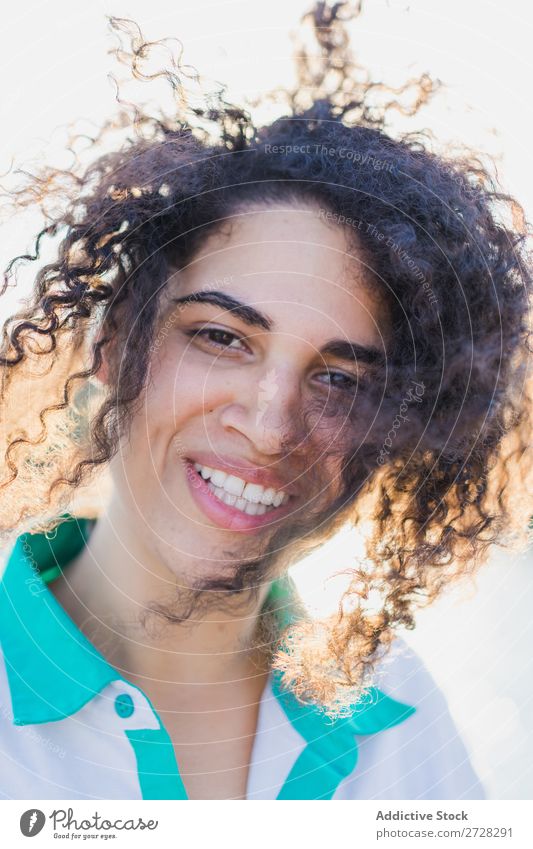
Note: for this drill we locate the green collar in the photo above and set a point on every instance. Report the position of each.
(53, 670)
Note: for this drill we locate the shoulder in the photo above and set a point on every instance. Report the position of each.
(422, 757)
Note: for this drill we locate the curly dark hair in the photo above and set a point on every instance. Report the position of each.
(445, 247)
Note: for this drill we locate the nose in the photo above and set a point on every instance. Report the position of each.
(266, 411)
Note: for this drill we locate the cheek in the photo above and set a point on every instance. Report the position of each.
(329, 426)
(174, 393)
(332, 445)
(185, 391)
(173, 413)
(184, 380)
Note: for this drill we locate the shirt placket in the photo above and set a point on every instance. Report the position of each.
(157, 767)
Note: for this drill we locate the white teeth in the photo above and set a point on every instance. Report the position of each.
(234, 485)
(218, 477)
(268, 496)
(251, 498)
(253, 492)
(239, 503)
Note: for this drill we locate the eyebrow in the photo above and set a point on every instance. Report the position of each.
(339, 348)
(245, 312)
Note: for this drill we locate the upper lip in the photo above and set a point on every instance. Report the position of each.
(244, 469)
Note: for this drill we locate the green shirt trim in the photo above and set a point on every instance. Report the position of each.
(54, 670)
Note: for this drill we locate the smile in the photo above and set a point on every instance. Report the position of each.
(233, 503)
(250, 498)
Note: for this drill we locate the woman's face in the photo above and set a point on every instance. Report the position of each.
(217, 455)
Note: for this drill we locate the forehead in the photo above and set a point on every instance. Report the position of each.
(294, 265)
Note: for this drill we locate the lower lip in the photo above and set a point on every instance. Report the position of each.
(224, 515)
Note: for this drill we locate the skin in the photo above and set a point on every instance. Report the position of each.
(293, 266)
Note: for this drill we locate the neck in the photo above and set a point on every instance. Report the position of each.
(109, 590)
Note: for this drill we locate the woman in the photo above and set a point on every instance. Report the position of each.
(262, 336)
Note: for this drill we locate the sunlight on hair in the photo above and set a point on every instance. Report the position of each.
(323, 576)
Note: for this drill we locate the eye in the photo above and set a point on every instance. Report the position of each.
(340, 380)
(218, 338)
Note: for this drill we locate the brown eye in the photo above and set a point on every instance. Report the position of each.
(340, 380)
(217, 337)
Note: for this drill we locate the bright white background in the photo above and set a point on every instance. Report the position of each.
(54, 65)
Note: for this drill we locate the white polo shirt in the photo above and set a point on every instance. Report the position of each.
(72, 727)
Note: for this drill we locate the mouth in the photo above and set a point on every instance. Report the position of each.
(233, 502)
